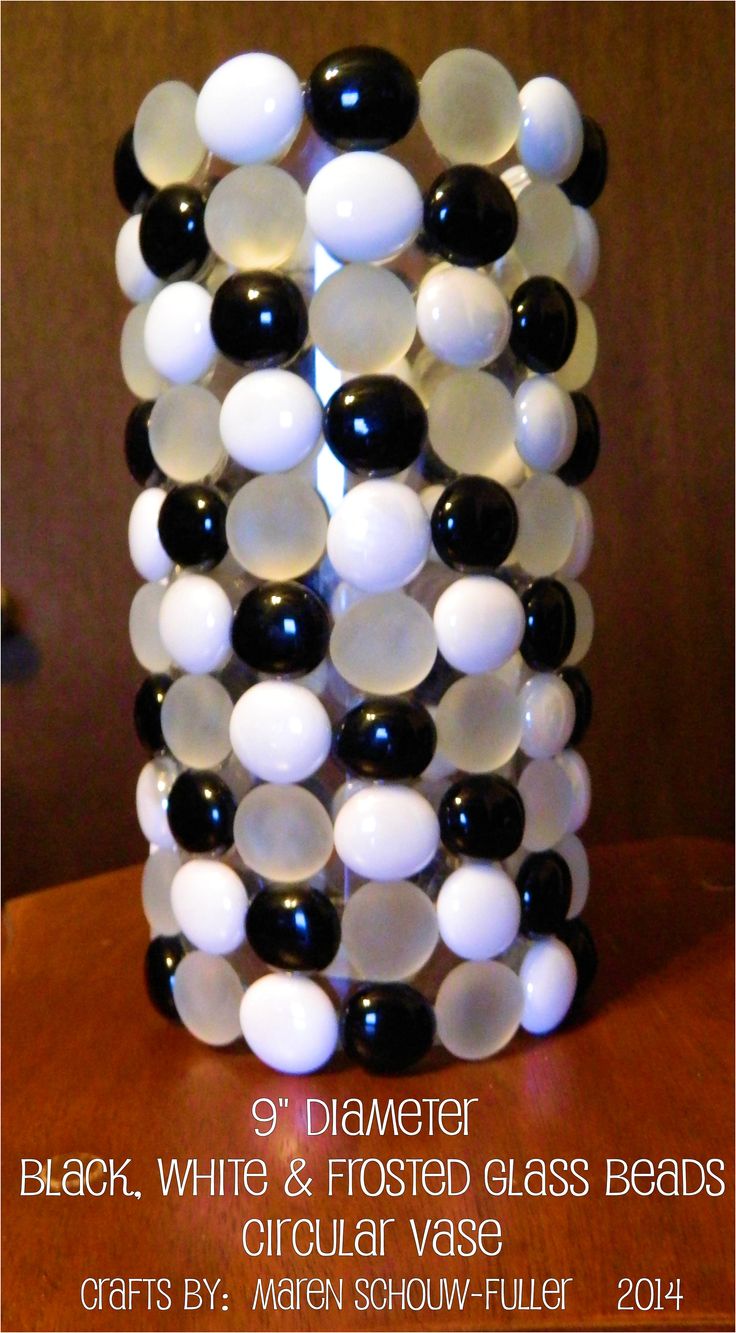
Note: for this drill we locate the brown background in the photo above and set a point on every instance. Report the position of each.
(659, 76)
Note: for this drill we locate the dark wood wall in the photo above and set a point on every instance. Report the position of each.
(659, 77)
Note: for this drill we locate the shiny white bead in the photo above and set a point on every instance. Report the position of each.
(362, 318)
(136, 280)
(471, 425)
(250, 109)
(166, 144)
(478, 1008)
(270, 420)
(573, 851)
(546, 425)
(183, 433)
(195, 721)
(145, 637)
(280, 731)
(582, 546)
(478, 723)
(550, 138)
(364, 207)
(581, 362)
(479, 622)
(289, 1023)
(547, 710)
(546, 791)
(379, 535)
(469, 106)
(194, 623)
(177, 336)
(462, 316)
(207, 995)
(254, 217)
(277, 526)
(384, 644)
(148, 555)
(546, 512)
(548, 977)
(209, 902)
(283, 832)
(155, 781)
(478, 911)
(545, 241)
(386, 832)
(584, 621)
(141, 377)
(389, 929)
(158, 873)
(578, 775)
(582, 267)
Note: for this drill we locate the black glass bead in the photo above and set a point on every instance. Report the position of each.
(172, 237)
(259, 319)
(282, 628)
(361, 97)
(147, 711)
(550, 625)
(375, 424)
(386, 738)
(589, 177)
(131, 186)
(293, 927)
(201, 811)
(545, 888)
(583, 459)
(469, 216)
(142, 465)
(387, 1027)
(163, 956)
(583, 696)
(474, 524)
(482, 816)
(191, 526)
(576, 935)
(543, 325)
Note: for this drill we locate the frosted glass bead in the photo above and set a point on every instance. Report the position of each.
(478, 1008)
(255, 217)
(177, 337)
(184, 435)
(289, 1023)
(469, 106)
(136, 280)
(194, 623)
(384, 644)
(545, 240)
(207, 995)
(141, 377)
(148, 555)
(462, 316)
(581, 270)
(578, 775)
(195, 720)
(167, 145)
(547, 711)
(478, 724)
(548, 978)
(574, 853)
(478, 911)
(362, 318)
(145, 637)
(479, 622)
(250, 109)
(280, 731)
(283, 832)
(386, 832)
(389, 929)
(550, 139)
(508, 273)
(378, 537)
(582, 545)
(158, 872)
(364, 207)
(546, 791)
(546, 424)
(546, 524)
(270, 420)
(209, 902)
(276, 527)
(581, 363)
(471, 425)
(584, 621)
(155, 781)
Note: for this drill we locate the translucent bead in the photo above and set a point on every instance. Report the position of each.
(255, 217)
(145, 637)
(550, 139)
(581, 270)
(293, 927)
(471, 425)
(361, 97)
(146, 552)
(184, 434)
(289, 1023)
(547, 711)
(167, 145)
(139, 374)
(280, 731)
(250, 109)
(384, 644)
(478, 911)
(207, 995)
(177, 337)
(389, 929)
(158, 872)
(136, 280)
(478, 724)
(546, 512)
(209, 902)
(378, 537)
(479, 623)
(387, 1027)
(283, 832)
(574, 853)
(586, 183)
(546, 424)
(584, 621)
(155, 781)
(577, 773)
(579, 366)
(270, 420)
(545, 240)
(582, 546)
(195, 720)
(547, 795)
(362, 318)
(194, 623)
(276, 527)
(478, 1009)
(462, 316)
(386, 832)
(469, 106)
(548, 978)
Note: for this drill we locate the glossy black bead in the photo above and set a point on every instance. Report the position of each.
(172, 237)
(545, 888)
(583, 696)
(375, 424)
(259, 319)
(191, 526)
(482, 816)
(293, 927)
(131, 186)
(576, 935)
(583, 459)
(474, 524)
(589, 177)
(147, 711)
(201, 811)
(544, 324)
(550, 625)
(469, 216)
(163, 956)
(386, 738)
(387, 1027)
(361, 97)
(281, 628)
(141, 463)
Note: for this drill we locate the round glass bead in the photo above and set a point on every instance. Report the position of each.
(479, 623)
(163, 956)
(545, 423)
(586, 182)
(201, 810)
(183, 432)
(176, 336)
(283, 832)
(254, 217)
(474, 524)
(143, 627)
(277, 527)
(259, 318)
(386, 832)
(546, 792)
(581, 362)
(544, 324)
(583, 700)
(571, 848)
(582, 269)
(195, 721)
(364, 207)
(385, 644)
(584, 622)
(547, 524)
(158, 873)
(586, 449)
(389, 929)
(469, 106)
(478, 911)
(280, 731)
(191, 525)
(154, 784)
(375, 425)
(387, 1027)
(469, 216)
(147, 711)
(550, 625)
(577, 773)
(582, 545)
(462, 316)
(131, 186)
(250, 109)
(576, 935)
(141, 377)
(165, 139)
(209, 902)
(478, 1008)
(550, 140)
(545, 241)
(548, 977)
(378, 537)
(478, 723)
(150, 559)
(471, 425)
(293, 927)
(281, 628)
(289, 1023)
(194, 623)
(138, 455)
(270, 420)
(135, 278)
(483, 817)
(547, 710)
(361, 97)
(207, 994)
(363, 318)
(172, 236)
(386, 738)
(545, 888)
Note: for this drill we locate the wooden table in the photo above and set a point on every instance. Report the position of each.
(644, 1072)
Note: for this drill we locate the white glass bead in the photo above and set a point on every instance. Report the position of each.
(280, 731)
(166, 144)
(194, 623)
(344, 792)
(364, 207)
(209, 901)
(478, 723)
(548, 978)
(362, 318)
(581, 362)
(478, 1008)
(255, 217)
(207, 995)
(546, 792)
(550, 138)
(462, 316)
(195, 721)
(469, 106)
(478, 911)
(581, 270)
(289, 1023)
(145, 637)
(270, 420)
(177, 337)
(546, 425)
(386, 832)
(155, 781)
(183, 433)
(276, 527)
(578, 775)
(283, 832)
(582, 545)
(471, 425)
(136, 280)
(546, 237)
(379, 535)
(573, 851)
(479, 622)
(158, 873)
(389, 929)
(148, 555)
(547, 710)
(584, 621)
(384, 644)
(141, 377)
(546, 513)
(250, 109)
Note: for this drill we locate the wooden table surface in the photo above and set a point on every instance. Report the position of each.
(645, 1071)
